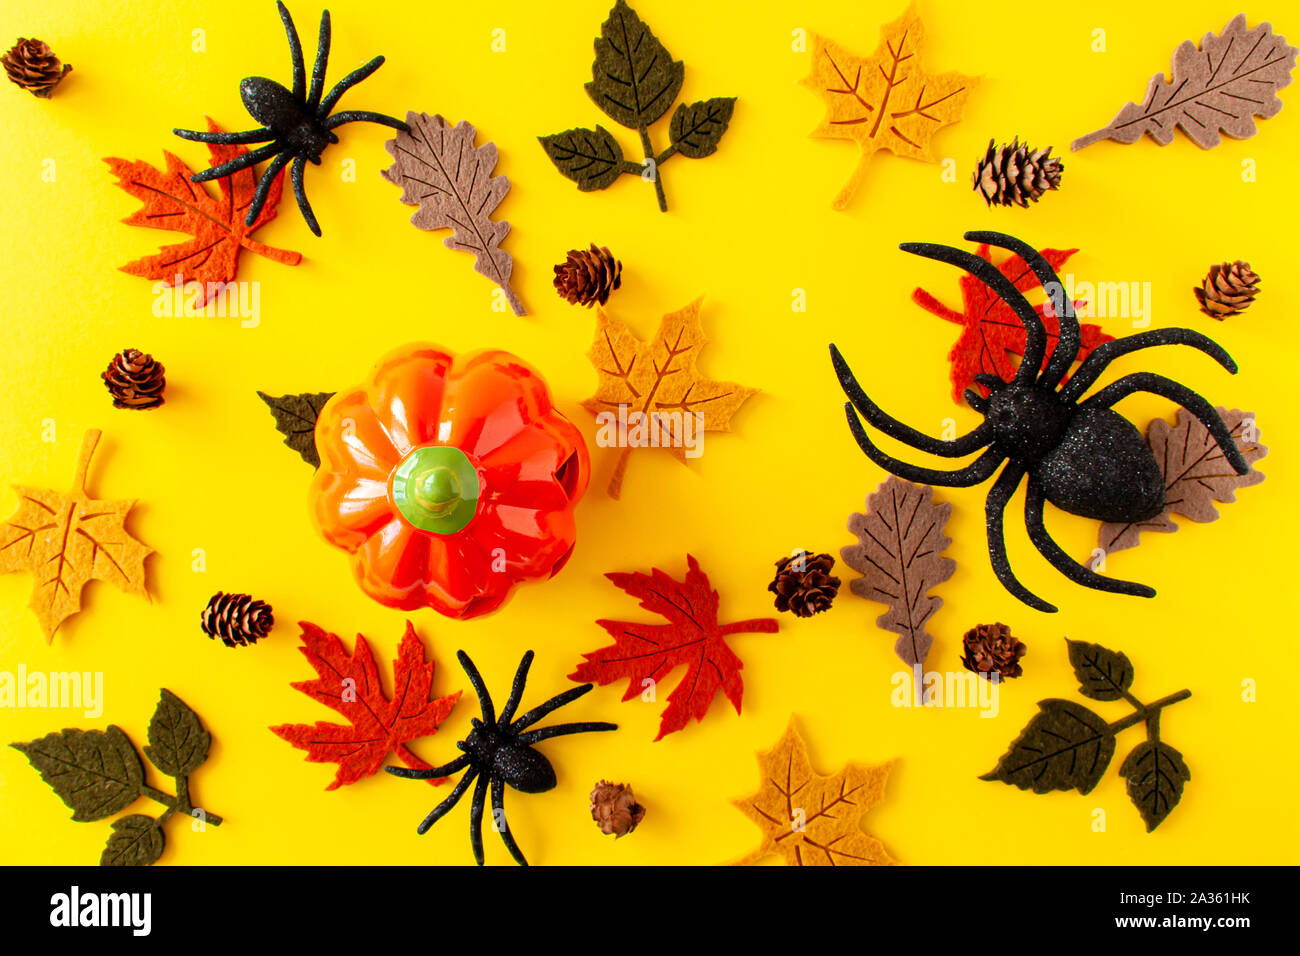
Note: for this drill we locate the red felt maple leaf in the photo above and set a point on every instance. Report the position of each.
(991, 330)
(215, 224)
(377, 725)
(692, 637)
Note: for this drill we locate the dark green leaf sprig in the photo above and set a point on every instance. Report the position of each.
(635, 80)
(295, 418)
(1067, 746)
(98, 773)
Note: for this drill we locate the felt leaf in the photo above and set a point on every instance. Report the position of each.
(634, 78)
(66, 541)
(1196, 473)
(654, 385)
(441, 170)
(692, 638)
(1155, 774)
(886, 101)
(810, 819)
(1221, 87)
(295, 418)
(991, 330)
(899, 554)
(216, 224)
(178, 744)
(96, 773)
(696, 129)
(1066, 746)
(591, 158)
(1103, 674)
(136, 840)
(377, 724)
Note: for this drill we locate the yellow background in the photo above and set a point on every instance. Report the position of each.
(745, 228)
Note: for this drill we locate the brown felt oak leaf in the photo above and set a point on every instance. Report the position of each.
(810, 819)
(216, 225)
(66, 541)
(885, 101)
(647, 390)
(377, 724)
(645, 654)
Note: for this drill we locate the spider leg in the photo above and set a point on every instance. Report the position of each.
(433, 773)
(499, 812)
(994, 507)
(227, 139)
(480, 689)
(476, 817)
(365, 116)
(516, 691)
(891, 426)
(972, 474)
(452, 799)
(264, 186)
(1107, 352)
(1076, 572)
(1175, 392)
(322, 61)
(238, 163)
(343, 85)
(295, 51)
(561, 730)
(555, 703)
(301, 195)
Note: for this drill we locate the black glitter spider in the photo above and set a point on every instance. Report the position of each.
(497, 751)
(1082, 456)
(299, 128)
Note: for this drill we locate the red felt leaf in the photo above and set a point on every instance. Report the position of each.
(377, 725)
(692, 637)
(215, 224)
(991, 330)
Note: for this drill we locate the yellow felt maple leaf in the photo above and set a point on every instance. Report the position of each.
(67, 540)
(886, 101)
(651, 394)
(813, 820)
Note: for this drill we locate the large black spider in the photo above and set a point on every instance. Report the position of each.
(299, 127)
(497, 751)
(1082, 456)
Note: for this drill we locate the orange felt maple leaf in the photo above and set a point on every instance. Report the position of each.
(377, 725)
(216, 225)
(886, 101)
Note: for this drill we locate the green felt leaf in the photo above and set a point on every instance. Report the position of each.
(95, 772)
(634, 79)
(136, 840)
(1103, 674)
(697, 128)
(1066, 746)
(1155, 774)
(591, 158)
(295, 417)
(178, 744)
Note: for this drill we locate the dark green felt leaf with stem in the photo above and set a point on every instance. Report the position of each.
(295, 417)
(136, 840)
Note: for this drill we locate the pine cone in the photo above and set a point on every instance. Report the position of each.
(135, 380)
(805, 592)
(1227, 290)
(614, 808)
(237, 619)
(1015, 174)
(990, 649)
(32, 65)
(586, 277)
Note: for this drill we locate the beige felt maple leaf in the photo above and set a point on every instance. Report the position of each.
(810, 819)
(885, 101)
(67, 540)
(647, 391)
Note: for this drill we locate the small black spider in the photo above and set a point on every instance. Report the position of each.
(497, 751)
(299, 127)
(1082, 456)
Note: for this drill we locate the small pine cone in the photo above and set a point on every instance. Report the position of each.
(32, 65)
(237, 619)
(1016, 174)
(990, 649)
(805, 592)
(614, 808)
(135, 380)
(1227, 290)
(588, 277)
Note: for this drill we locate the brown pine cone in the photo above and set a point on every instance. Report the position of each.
(614, 808)
(990, 649)
(1016, 174)
(32, 65)
(236, 619)
(1227, 290)
(587, 277)
(135, 380)
(805, 592)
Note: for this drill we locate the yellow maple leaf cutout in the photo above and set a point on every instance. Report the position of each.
(886, 101)
(67, 540)
(648, 389)
(813, 820)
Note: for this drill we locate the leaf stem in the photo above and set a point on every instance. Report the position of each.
(1145, 712)
(650, 157)
(88, 444)
(179, 803)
